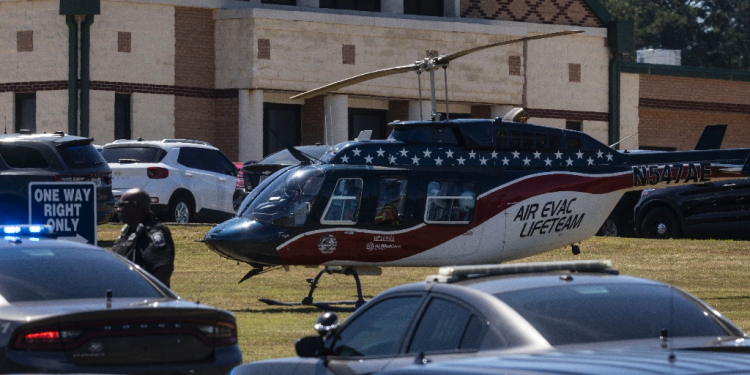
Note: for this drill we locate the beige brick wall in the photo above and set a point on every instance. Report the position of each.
(153, 116)
(102, 124)
(547, 70)
(49, 59)
(152, 55)
(681, 129)
(227, 127)
(7, 111)
(629, 120)
(51, 111)
(694, 89)
(235, 52)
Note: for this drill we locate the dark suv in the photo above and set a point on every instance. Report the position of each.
(713, 209)
(26, 158)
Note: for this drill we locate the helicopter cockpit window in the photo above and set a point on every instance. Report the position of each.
(554, 142)
(450, 202)
(391, 201)
(420, 134)
(287, 200)
(514, 140)
(343, 207)
(501, 139)
(527, 141)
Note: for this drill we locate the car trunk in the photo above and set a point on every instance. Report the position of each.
(126, 176)
(140, 336)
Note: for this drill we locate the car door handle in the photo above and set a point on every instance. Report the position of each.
(222, 180)
(188, 174)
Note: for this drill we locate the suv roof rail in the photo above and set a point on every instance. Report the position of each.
(187, 141)
(455, 273)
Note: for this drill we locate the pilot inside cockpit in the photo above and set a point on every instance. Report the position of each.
(391, 201)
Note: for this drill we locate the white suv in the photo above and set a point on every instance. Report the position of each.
(187, 180)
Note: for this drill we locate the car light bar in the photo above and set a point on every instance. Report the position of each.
(27, 230)
(462, 272)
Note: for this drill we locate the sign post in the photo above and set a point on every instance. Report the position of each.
(69, 207)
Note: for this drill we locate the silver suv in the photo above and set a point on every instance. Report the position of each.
(187, 180)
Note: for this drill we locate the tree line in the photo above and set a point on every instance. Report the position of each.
(710, 33)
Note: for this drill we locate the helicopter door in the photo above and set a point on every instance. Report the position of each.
(449, 213)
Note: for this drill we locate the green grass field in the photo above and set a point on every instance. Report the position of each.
(714, 270)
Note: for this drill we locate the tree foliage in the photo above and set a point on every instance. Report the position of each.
(710, 33)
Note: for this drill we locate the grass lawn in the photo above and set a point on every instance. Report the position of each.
(714, 270)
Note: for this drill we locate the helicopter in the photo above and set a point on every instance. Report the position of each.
(446, 192)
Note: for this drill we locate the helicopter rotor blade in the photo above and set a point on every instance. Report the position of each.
(453, 56)
(415, 66)
(354, 80)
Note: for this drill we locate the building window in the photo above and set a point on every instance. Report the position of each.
(514, 65)
(122, 116)
(26, 112)
(25, 41)
(367, 119)
(424, 7)
(123, 41)
(574, 72)
(363, 5)
(574, 125)
(279, 2)
(348, 54)
(264, 49)
(281, 126)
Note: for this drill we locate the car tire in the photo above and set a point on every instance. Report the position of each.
(180, 210)
(660, 222)
(610, 228)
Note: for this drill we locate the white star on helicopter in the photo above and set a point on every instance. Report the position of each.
(404, 152)
(368, 159)
(449, 153)
(356, 151)
(427, 153)
(380, 152)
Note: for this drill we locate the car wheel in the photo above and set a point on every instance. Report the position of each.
(660, 222)
(180, 211)
(610, 228)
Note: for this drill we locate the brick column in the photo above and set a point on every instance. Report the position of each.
(480, 111)
(336, 109)
(250, 125)
(392, 6)
(414, 110)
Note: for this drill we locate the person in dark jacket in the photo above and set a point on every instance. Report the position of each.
(143, 240)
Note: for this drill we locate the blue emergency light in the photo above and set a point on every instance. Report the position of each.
(35, 231)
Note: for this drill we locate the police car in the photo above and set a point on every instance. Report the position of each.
(67, 307)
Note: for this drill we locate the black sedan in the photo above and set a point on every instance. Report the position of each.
(73, 308)
(713, 209)
(474, 311)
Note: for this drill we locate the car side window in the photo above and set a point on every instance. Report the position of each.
(343, 207)
(23, 157)
(191, 158)
(378, 331)
(450, 202)
(391, 201)
(447, 326)
(215, 162)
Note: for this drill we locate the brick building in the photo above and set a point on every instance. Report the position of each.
(223, 70)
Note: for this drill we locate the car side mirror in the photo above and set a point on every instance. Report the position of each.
(310, 347)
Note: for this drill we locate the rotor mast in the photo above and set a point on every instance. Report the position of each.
(430, 64)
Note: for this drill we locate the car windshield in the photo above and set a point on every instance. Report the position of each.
(284, 157)
(574, 314)
(133, 154)
(287, 200)
(48, 272)
(81, 157)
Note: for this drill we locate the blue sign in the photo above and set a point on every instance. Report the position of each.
(69, 207)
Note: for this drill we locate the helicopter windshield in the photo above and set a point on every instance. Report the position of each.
(287, 201)
(419, 134)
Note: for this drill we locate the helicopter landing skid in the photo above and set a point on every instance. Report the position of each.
(328, 305)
